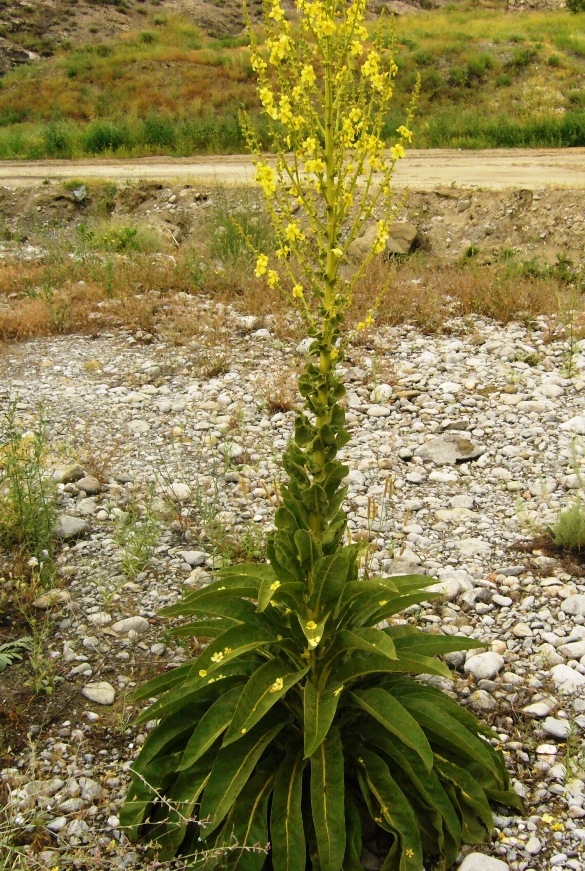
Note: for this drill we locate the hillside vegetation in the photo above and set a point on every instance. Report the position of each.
(488, 79)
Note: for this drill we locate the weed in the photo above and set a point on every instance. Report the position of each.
(13, 651)
(137, 532)
(28, 511)
(569, 530)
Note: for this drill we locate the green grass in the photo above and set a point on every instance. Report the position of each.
(488, 79)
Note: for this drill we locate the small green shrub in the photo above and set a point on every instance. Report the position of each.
(569, 530)
(137, 532)
(27, 495)
(576, 6)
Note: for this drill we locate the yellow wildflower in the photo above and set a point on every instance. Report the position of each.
(217, 657)
(314, 642)
(292, 232)
(311, 625)
(338, 691)
(261, 265)
(272, 278)
(409, 853)
(297, 291)
(337, 252)
(202, 672)
(308, 76)
(276, 12)
(397, 151)
(404, 132)
(275, 585)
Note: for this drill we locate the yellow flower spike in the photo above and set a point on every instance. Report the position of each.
(404, 132)
(272, 278)
(261, 265)
(308, 76)
(297, 291)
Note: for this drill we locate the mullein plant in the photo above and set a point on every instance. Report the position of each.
(307, 725)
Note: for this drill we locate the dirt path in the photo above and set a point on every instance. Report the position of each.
(422, 170)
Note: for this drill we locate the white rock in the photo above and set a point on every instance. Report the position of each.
(50, 598)
(179, 491)
(99, 618)
(473, 546)
(100, 692)
(381, 393)
(574, 605)
(556, 728)
(540, 708)
(533, 845)
(70, 527)
(575, 424)
(194, 557)
(480, 862)
(573, 650)
(138, 426)
(484, 666)
(566, 679)
(131, 624)
(378, 411)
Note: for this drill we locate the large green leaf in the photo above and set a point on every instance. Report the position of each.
(329, 577)
(245, 833)
(328, 801)
(361, 664)
(167, 733)
(145, 789)
(390, 606)
(424, 788)
(199, 689)
(232, 768)
(264, 689)
(211, 725)
(388, 711)
(395, 810)
(308, 549)
(221, 603)
(249, 573)
(181, 800)
(354, 841)
(370, 640)
(286, 818)
(231, 644)
(477, 820)
(202, 629)
(447, 731)
(320, 706)
(162, 682)
(429, 644)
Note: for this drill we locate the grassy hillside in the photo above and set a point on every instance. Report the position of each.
(489, 79)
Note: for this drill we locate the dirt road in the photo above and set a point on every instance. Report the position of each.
(422, 170)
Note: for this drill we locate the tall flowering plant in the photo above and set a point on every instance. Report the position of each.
(304, 728)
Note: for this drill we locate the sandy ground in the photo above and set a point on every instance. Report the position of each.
(422, 170)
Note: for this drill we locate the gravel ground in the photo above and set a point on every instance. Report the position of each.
(465, 447)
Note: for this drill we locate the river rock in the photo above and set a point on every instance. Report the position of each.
(480, 862)
(131, 624)
(70, 527)
(574, 605)
(449, 449)
(101, 692)
(484, 666)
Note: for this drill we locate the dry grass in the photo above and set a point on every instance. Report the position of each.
(157, 294)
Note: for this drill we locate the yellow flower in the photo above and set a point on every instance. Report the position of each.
(404, 132)
(202, 672)
(227, 650)
(546, 818)
(309, 145)
(266, 179)
(275, 585)
(261, 265)
(337, 252)
(297, 291)
(217, 657)
(382, 602)
(314, 642)
(276, 12)
(397, 151)
(338, 691)
(244, 731)
(272, 278)
(292, 232)
(308, 76)
(311, 625)
(277, 685)
(409, 853)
